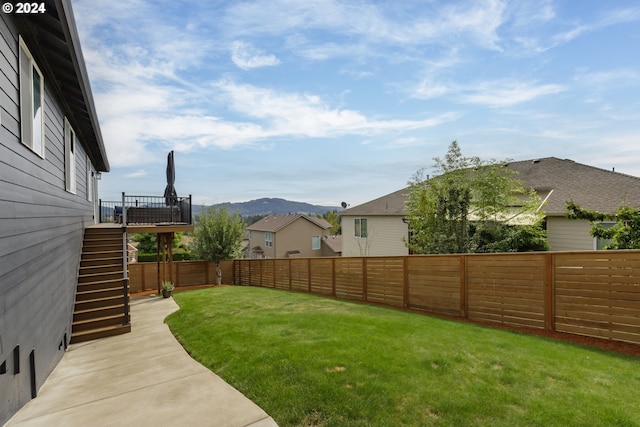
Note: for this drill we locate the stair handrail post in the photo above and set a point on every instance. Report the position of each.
(124, 212)
(125, 272)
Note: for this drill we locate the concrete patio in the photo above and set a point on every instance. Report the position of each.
(144, 378)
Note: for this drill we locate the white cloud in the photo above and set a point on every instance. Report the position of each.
(136, 174)
(505, 92)
(247, 57)
(495, 93)
(393, 24)
(305, 114)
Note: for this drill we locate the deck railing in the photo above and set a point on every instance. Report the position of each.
(146, 210)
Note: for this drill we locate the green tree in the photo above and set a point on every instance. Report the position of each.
(624, 234)
(218, 236)
(468, 205)
(332, 218)
(147, 242)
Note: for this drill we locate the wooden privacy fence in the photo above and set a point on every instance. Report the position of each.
(586, 293)
(143, 276)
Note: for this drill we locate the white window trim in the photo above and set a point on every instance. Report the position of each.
(313, 240)
(70, 148)
(268, 239)
(357, 231)
(27, 124)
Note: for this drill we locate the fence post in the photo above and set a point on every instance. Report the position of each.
(309, 275)
(290, 275)
(364, 279)
(405, 287)
(333, 277)
(549, 292)
(274, 273)
(464, 287)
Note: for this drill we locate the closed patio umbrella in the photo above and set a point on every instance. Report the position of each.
(170, 196)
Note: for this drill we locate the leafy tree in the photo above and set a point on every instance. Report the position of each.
(218, 236)
(467, 206)
(624, 234)
(147, 242)
(500, 237)
(333, 219)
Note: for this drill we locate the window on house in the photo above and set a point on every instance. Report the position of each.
(360, 227)
(69, 157)
(268, 239)
(31, 102)
(315, 243)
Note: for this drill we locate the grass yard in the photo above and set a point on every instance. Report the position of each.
(313, 361)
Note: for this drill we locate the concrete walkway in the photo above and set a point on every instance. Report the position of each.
(144, 378)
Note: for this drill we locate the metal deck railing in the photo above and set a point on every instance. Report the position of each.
(146, 210)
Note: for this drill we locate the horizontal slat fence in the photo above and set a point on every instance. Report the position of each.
(587, 293)
(143, 276)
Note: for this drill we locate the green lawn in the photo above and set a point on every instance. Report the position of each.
(308, 360)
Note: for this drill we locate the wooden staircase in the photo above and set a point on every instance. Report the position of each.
(100, 309)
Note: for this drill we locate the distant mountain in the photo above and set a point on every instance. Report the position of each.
(266, 206)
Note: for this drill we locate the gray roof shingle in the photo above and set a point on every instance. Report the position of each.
(275, 222)
(560, 180)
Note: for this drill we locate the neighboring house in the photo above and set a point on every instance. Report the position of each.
(559, 181)
(289, 235)
(51, 151)
(377, 227)
(332, 246)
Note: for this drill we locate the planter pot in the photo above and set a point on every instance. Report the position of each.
(166, 293)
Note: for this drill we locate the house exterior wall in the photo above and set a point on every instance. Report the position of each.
(569, 234)
(41, 236)
(385, 234)
(294, 236)
(258, 238)
(298, 236)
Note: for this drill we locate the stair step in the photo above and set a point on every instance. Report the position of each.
(99, 262)
(99, 333)
(98, 303)
(98, 269)
(102, 254)
(97, 323)
(110, 310)
(98, 287)
(102, 245)
(108, 276)
(113, 291)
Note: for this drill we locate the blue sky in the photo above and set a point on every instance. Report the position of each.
(328, 101)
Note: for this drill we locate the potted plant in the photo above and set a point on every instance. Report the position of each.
(167, 289)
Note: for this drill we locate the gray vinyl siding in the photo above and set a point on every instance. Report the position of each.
(569, 234)
(384, 236)
(41, 230)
